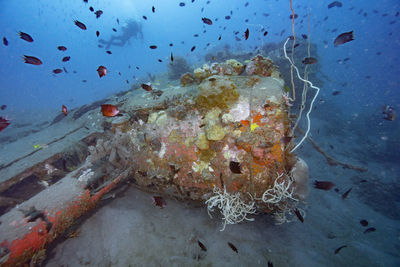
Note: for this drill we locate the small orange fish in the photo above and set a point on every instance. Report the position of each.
(102, 71)
(64, 110)
(109, 110)
(4, 122)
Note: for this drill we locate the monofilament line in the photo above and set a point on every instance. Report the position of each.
(312, 102)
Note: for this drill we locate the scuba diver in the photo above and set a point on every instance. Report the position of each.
(131, 29)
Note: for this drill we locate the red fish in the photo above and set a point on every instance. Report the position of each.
(62, 48)
(246, 34)
(159, 201)
(65, 59)
(80, 24)
(102, 71)
(64, 110)
(3, 123)
(25, 36)
(57, 71)
(109, 110)
(32, 60)
(146, 87)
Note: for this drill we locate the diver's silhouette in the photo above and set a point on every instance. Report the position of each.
(131, 29)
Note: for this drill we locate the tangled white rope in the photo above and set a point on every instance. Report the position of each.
(312, 101)
(232, 207)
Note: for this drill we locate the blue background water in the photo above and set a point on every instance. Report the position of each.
(26, 87)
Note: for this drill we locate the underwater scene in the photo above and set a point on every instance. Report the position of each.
(199, 133)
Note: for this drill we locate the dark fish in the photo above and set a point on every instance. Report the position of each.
(339, 248)
(207, 21)
(295, 16)
(193, 48)
(159, 201)
(4, 123)
(85, 1)
(335, 4)
(153, 9)
(84, 81)
(98, 13)
(32, 60)
(153, 47)
(234, 167)
(100, 46)
(345, 194)
(219, 38)
(65, 59)
(57, 71)
(65, 70)
(270, 264)
(171, 44)
(172, 57)
(3, 107)
(144, 17)
(127, 81)
(160, 60)
(25, 36)
(115, 30)
(246, 20)
(97, 33)
(91, 8)
(296, 45)
(309, 60)
(346, 59)
(233, 247)
(298, 214)
(109, 52)
(364, 223)
(201, 245)
(388, 112)
(80, 24)
(195, 35)
(62, 48)
(246, 34)
(5, 41)
(146, 87)
(265, 33)
(304, 36)
(181, 4)
(336, 92)
(344, 38)
(324, 185)
(245, 5)
(227, 17)
(370, 230)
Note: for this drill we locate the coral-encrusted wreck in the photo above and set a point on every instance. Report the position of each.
(223, 140)
(229, 136)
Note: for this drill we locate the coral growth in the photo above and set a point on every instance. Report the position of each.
(261, 66)
(187, 79)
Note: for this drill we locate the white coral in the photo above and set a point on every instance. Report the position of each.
(232, 207)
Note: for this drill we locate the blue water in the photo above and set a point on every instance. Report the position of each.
(367, 81)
